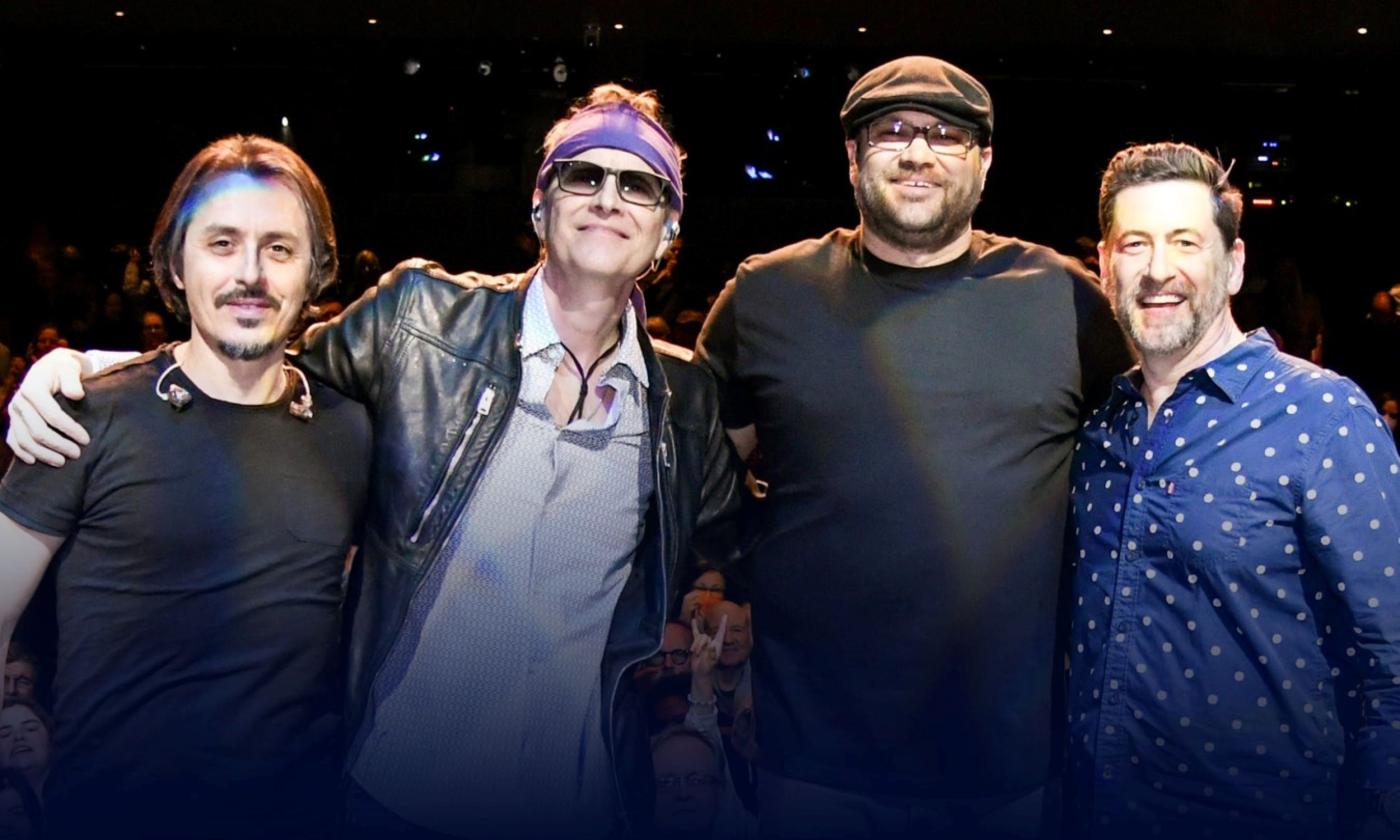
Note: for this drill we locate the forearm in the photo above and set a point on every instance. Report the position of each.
(24, 555)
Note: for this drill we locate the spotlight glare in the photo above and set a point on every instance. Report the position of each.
(617, 26)
(1108, 32)
(373, 21)
(862, 29)
(120, 13)
(1362, 30)
(286, 123)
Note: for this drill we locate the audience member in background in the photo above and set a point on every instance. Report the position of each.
(25, 734)
(732, 680)
(673, 660)
(658, 328)
(21, 815)
(45, 339)
(153, 331)
(21, 673)
(364, 273)
(1389, 406)
(733, 688)
(666, 702)
(687, 328)
(113, 329)
(705, 592)
(688, 770)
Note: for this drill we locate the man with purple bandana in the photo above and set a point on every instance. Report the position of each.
(540, 467)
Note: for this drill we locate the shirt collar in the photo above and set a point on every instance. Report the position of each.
(1226, 374)
(537, 333)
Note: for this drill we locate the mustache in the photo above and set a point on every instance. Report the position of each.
(268, 299)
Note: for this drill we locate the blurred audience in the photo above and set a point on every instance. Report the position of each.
(21, 816)
(21, 673)
(673, 660)
(153, 331)
(25, 733)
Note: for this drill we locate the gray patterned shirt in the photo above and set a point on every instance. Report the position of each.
(488, 710)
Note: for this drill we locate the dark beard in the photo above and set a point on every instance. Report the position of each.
(245, 352)
(953, 218)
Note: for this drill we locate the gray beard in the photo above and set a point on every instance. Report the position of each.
(1204, 308)
(877, 215)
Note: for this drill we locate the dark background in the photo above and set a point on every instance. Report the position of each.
(100, 112)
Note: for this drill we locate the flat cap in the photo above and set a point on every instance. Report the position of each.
(920, 83)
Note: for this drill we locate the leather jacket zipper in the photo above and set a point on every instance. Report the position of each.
(483, 408)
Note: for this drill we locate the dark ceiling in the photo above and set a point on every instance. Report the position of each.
(1300, 29)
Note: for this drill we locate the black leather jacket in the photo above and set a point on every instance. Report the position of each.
(436, 359)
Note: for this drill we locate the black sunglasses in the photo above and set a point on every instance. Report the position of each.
(581, 177)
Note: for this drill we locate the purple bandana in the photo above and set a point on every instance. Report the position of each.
(617, 125)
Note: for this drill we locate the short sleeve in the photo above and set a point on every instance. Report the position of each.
(1103, 350)
(52, 500)
(718, 350)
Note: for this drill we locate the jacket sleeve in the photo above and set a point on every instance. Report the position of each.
(348, 353)
(724, 528)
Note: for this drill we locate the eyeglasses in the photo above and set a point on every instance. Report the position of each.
(694, 780)
(679, 656)
(581, 177)
(895, 135)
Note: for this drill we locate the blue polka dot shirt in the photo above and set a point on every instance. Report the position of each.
(1234, 645)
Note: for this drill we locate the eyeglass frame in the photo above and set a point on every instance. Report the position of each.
(973, 138)
(559, 165)
(670, 656)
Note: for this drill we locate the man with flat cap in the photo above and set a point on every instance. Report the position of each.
(915, 386)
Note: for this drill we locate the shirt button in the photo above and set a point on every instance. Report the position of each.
(1141, 485)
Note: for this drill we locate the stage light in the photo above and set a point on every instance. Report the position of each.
(412, 66)
(617, 26)
(1262, 158)
(1108, 32)
(756, 174)
(286, 123)
(1362, 30)
(1262, 202)
(773, 136)
(862, 29)
(123, 14)
(560, 71)
(373, 21)
(803, 73)
(483, 67)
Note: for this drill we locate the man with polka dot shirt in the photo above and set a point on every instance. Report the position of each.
(1234, 665)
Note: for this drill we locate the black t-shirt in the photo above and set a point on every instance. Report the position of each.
(916, 428)
(199, 608)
